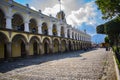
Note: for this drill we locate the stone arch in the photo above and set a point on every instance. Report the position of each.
(34, 46)
(2, 19)
(54, 30)
(57, 39)
(33, 26)
(18, 22)
(46, 45)
(3, 46)
(56, 45)
(19, 46)
(62, 31)
(44, 28)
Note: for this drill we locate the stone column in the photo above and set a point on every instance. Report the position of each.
(58, 28)
(40, 28)
(9, 50)
(26, 26)
(65, 31)
(70, 33)
(50, 28)
(8, 22)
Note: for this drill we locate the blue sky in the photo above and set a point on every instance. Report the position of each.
(82, 14)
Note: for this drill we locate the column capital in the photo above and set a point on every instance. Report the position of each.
(10, 17)
(26, 21)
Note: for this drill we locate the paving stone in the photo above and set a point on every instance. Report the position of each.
(70, 66)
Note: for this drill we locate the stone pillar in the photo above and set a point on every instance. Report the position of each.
(65, 31)
(9, 50)
(8, 22)
(59, 29)
(70, 33)
(26, 26)
(40, 28)
(50, 28)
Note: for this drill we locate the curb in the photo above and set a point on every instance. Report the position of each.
(116, 69)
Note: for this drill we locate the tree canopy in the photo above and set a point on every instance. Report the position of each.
(109, 8)
(112, 27)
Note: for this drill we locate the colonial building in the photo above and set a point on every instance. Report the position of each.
(25, 32)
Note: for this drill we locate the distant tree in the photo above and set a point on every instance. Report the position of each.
(106, 39)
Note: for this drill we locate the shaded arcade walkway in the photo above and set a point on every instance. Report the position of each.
(91, 65)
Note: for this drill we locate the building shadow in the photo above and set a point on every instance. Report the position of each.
(36, 60)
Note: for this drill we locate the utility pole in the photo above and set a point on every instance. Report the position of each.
(60, 4)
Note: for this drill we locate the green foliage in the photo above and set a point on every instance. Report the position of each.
(109, 8)
(114, 48)
(118, 63)
(112, 27)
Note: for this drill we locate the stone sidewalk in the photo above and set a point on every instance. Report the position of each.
(92, 65)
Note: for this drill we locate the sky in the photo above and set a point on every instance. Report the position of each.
(81, 14)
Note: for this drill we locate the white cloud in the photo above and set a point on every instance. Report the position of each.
(53, 11)
(85, 14)
(77, 12)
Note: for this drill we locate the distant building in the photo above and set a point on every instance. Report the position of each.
(25, 32)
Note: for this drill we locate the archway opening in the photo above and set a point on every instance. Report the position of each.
(74, 45)
(54, 30)
(56, 46)
(2, 19)
(17, 22)
(44, 29)
(46, 46)
(70, 46)
(62, 32)
(33, 26)
(19, 46)
(35, 48)
(23, 51)
(3, 47)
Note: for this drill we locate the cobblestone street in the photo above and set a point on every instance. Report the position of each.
(91, 65)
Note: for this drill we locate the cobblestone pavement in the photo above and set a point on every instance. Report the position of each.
(91, 65)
